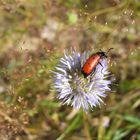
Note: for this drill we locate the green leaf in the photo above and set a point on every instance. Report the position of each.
(120, 134)
(73, 125)
(132, 119)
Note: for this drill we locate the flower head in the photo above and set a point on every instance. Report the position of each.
(73, 89)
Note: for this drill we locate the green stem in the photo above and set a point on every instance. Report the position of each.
(86, 127)
(71, 127)
(108, 10)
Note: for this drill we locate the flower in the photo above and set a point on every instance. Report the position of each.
(73, 89)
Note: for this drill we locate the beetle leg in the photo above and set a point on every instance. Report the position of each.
(93, 73)
(102, 67)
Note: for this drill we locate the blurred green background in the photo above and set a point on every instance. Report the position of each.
(33, 37)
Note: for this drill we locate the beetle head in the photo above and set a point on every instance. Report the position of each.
(104, 54)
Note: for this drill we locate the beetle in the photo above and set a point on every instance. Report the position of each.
(93, 61)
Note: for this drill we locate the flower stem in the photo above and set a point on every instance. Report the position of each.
(73, 125)
(86, 127)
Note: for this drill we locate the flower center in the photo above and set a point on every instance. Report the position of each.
(78, 82)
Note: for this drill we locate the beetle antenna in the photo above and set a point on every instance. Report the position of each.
(109, 50)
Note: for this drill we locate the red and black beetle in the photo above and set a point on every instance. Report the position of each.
(93, 61)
